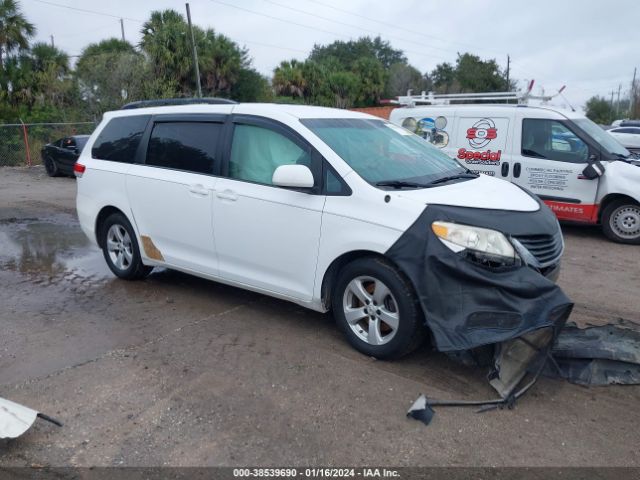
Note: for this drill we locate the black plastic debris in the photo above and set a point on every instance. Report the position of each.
(598, 355)
(421, 410)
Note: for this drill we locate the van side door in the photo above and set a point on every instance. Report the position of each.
(171, 190)
(267, 237)
(483, 144)
(550, 163)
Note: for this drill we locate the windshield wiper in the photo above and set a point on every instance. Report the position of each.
(453, 177)
(399, 184)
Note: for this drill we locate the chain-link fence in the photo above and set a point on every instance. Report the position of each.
(20, 144)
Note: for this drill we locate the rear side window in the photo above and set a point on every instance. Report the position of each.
(119, 140)
(189, 146)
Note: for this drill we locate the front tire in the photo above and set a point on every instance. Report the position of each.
(120, 248)
(375, 306)
(621, 222)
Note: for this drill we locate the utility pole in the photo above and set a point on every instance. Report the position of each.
(195, 53)
(611, 108)
(122, 29)
(508, 65)
(634, 98)
(618, 103)
(53, 45)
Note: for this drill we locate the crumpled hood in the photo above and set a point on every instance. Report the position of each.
(482, 192)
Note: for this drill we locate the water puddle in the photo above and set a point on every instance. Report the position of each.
(52, 247)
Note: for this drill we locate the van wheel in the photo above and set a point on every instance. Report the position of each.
(120, 248)
(621, 222)
(376, 308)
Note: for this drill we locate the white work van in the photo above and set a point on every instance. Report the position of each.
(575, 167)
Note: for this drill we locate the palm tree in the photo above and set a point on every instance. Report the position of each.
(15, 30)
(288, 79)
(165, 40)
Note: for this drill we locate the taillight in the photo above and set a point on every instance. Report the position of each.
(78, 169)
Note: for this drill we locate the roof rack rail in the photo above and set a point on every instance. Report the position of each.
(448, 98)
(165, 102)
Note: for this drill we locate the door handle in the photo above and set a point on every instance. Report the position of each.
(505, 169)
(198, 189)
(517, 169)
(227, 195)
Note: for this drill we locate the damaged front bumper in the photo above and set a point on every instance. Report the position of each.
(517, 310)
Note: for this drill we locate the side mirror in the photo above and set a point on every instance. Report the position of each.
(594, 170)
(298, 176)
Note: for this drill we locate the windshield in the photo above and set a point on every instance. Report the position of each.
(382, 152)
(603, 138)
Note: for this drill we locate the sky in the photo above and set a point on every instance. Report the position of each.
(590, 46)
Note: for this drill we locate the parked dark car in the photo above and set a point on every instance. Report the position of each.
(58, 157)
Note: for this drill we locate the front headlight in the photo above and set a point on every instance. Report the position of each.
(484, 245)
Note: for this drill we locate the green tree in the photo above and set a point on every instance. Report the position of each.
(372, 78)
(15, 30)
(599, 110)
(250, 86)
(221, 61)
(403, 77)
(345, 88)
(289, 80)
(165, 40)
(347, 53)
(444, 78)
(112, 72)
(477, 75)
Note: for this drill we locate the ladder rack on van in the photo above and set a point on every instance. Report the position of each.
(448, 98)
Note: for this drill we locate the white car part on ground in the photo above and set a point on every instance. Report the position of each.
(15, 419)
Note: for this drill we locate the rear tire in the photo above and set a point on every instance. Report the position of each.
(120, 248)
(50, 166)
(375, 306)
(621, 222)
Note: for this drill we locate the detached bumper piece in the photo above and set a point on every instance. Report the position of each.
(606, 354)
(15, 419)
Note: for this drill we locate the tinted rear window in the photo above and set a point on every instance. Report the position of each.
(119, 140)
(189, 146)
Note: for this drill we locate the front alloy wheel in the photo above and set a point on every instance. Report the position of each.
(375, 306)
(371, 310)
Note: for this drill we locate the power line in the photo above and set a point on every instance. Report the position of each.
(392, 25)
(284, 20)
(84, 10)
(350, 25)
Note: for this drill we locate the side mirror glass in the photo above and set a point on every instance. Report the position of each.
(297, 176)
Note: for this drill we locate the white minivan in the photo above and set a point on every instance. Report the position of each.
(577, 168)
(330, 209)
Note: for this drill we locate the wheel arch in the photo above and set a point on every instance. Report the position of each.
(102, 216)
(613, 197)
(331, 274)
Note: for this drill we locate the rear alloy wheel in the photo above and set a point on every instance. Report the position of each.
(375, 306)
(51, 167)
(621, 222)
(120, 248)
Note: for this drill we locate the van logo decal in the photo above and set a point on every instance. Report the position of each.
(481, 133)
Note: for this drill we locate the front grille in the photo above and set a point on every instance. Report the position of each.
(545, 248)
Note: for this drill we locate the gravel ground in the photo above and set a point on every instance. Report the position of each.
(176, 370)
